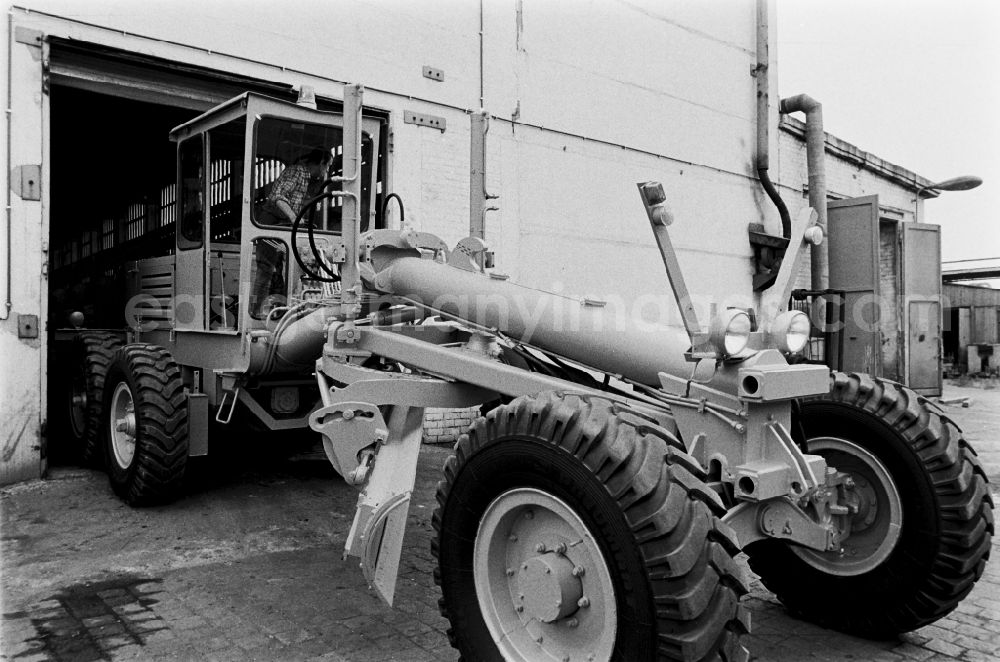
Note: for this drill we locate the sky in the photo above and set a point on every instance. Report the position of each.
(916, 83)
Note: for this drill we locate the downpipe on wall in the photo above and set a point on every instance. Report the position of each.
(815, 165)
(761, 73)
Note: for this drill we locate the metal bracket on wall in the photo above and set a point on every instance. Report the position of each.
(27, 326)
(26, 181)
(434, 74)
(423, 119)
(23, 35)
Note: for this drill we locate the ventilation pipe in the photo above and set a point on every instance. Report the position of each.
(815, 165)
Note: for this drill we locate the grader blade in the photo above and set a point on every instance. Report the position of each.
(383, 545)
(379, 526)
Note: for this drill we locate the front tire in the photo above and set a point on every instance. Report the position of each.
(145, 425)
(942, 507)
(572, 527)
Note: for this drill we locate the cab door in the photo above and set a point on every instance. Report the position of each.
(190, 270)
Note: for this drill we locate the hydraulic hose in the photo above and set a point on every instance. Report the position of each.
(399, 200)
(333, 276)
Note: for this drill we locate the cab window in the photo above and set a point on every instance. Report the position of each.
(191, 155)
(285, 158)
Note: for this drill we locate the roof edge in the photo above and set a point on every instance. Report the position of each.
(865, 160)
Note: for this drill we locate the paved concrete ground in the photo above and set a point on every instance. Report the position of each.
(247, 567)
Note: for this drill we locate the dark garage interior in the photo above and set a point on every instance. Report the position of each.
(112, 180)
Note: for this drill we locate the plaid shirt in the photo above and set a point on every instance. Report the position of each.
(292, 186)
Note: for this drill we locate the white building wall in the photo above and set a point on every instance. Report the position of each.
(588, 99)
(22, 359)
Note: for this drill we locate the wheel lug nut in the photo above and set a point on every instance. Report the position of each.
(561, 548)
(540, 548)
(572, 622)
(510, 572)
(578, 571)
(512, 538)
(583, 602)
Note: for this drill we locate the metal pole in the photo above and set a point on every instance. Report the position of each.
(478, 196)
(351, 217)
(916, 206)
(477, 175)
(8, 304)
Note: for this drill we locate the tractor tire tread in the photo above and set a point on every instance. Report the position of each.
(162, 418)
(98, 352)
(960, 488)
(687, 551)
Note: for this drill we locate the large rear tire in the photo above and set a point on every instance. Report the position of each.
(888, 439)
(81, 405)
(145, 425)
(573, 528)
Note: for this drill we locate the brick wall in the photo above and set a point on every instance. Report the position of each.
(888, 266)
(442, 426)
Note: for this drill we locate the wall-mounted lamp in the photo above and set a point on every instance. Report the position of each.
(963, 183)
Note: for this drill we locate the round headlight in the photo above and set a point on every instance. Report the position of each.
(790, 331)
(731, 332)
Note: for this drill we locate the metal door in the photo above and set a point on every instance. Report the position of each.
(853, 245)
(921, 292)
(190, 277)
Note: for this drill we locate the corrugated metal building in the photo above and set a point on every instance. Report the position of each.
(971, 327)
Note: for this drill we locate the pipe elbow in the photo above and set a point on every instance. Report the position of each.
(800, 102)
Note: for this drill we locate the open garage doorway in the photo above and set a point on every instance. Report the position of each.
(111, 173)
(112, 178)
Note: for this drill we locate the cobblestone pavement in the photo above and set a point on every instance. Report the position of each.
(247, 567)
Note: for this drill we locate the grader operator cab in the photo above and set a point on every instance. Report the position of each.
(595, 509)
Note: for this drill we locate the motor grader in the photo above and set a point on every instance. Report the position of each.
(595, 509)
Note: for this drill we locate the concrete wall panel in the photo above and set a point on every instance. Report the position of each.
(22, 402)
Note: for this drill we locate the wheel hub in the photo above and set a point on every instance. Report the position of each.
(876, 526)
(544, 589)
(867, 504)
(78, 406)
(123, 426)
(549, 587)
